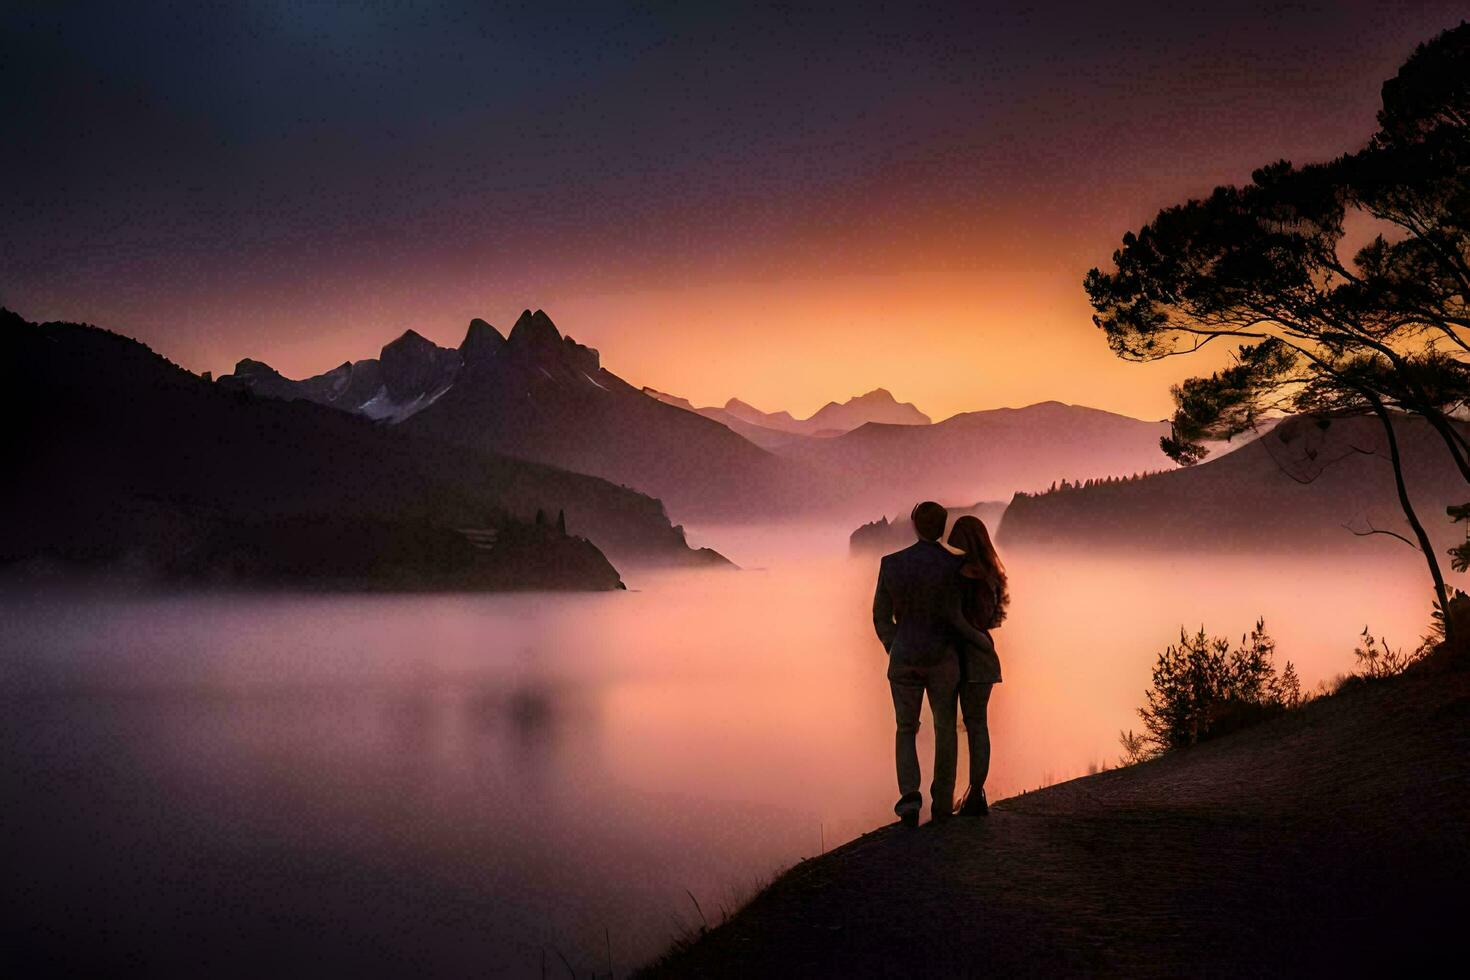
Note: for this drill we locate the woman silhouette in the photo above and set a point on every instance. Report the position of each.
(983, 602)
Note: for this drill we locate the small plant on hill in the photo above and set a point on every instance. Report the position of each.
(1203, 688)
(1136, 748)
(1377, 659)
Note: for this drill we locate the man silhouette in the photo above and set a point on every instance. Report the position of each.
(916, 611)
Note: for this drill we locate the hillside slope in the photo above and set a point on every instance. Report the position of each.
(1332, 838)
(1304, 484)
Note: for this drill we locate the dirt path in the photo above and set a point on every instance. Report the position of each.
(1333, 838)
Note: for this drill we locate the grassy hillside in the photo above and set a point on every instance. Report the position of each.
(1330, 839)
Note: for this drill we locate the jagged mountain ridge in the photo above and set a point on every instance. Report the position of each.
(833, 418)
(538, 395)
(124, 453)
(546, 397)
(409, 373)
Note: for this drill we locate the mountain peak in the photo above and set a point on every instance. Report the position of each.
(411, 336)
(481, 340)
(536, 337)
(534, 328)
(249, 367)
(409, 345)
(478, 327)
(877, 405)
(413, 364)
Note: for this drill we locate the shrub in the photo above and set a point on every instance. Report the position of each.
(1377, 659)
(1202, 687)
(1136, 748)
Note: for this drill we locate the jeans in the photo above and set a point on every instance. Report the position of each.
(974, 702)
(909, 685)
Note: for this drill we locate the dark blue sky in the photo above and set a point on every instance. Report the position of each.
(229, 177)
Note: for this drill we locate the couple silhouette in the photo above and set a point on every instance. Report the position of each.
(933, 610)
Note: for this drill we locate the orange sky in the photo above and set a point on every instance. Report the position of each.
(948, 341)
(791, 211)
(947, 346)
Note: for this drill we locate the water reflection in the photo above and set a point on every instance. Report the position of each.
(442, 783)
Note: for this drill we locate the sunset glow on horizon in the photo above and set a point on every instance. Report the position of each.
(682, 489)
(716, 213)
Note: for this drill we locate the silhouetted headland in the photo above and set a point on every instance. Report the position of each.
(1331, 838)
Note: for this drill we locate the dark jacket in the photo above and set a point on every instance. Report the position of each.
(978, 601)
(916, 609)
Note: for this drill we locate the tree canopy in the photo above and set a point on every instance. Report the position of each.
(1385, 330)
(1262, 265)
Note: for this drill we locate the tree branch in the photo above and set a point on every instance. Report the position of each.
(1378, 530)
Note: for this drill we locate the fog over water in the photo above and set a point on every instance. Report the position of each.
(454, 782)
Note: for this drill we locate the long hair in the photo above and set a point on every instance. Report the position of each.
(969, 536)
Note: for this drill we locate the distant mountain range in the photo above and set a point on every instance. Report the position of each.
(127, 459)
(987, 455)
(766, 438)
(1309, 483)
(773, 430)
(891, 464)
(538, 395)
(408, 375)
(834, 418)
(427, 467)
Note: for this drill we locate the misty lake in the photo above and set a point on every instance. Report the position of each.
(453, 784)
